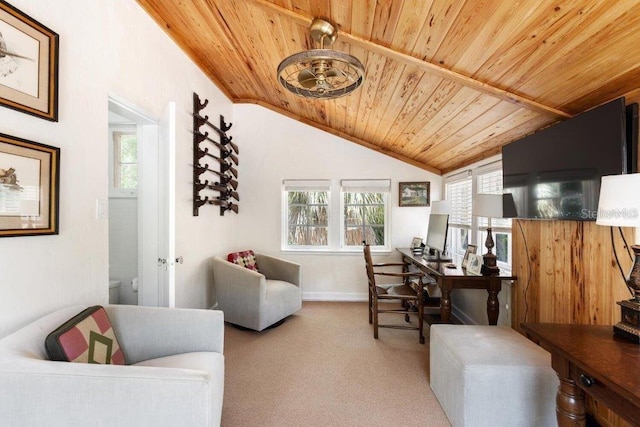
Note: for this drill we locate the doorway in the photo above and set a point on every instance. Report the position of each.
(141, 202)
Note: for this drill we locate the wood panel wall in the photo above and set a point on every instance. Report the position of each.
(567, 273)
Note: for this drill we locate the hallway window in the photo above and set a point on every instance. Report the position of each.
(125, 161)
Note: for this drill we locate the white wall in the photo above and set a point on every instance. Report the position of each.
(274, 148)
(113, 48)
(107, 48)
(123, 245)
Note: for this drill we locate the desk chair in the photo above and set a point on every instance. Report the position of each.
(403, 292)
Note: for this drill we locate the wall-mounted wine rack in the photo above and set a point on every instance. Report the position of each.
(224, 182)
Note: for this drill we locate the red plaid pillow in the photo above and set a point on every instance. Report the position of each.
(246, 259)
(87, 338)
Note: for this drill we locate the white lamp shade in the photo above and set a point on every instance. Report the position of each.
(619, 203)
(440, 207)
(487, 205)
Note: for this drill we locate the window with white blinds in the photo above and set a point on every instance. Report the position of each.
(459, 196)
(466, 229)
(491, 183)
(458, 193)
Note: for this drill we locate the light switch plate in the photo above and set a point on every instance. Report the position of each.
(101, 209)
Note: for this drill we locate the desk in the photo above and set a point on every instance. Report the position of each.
(457, 278)
(590, 359)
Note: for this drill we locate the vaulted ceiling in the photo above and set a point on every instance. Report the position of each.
(448, 82)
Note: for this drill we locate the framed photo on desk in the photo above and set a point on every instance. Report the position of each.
(474, 265)
(471, 249)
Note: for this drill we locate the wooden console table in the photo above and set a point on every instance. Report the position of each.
(457, 278)
(590, 359)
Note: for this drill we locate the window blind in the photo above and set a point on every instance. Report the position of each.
(460, 197)
(366, 185)
(307, 185)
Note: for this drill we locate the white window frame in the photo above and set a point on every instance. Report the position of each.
(366, 186)
(115, 191)
(336, 226)
(477, 230)
(305, 185)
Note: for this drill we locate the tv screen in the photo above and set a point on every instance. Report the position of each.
(555, 173)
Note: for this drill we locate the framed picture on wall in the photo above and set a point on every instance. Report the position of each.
(471, 249)
(28, 64)
(414, 194)
(29, 187)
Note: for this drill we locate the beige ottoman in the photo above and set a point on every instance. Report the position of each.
(491, 376)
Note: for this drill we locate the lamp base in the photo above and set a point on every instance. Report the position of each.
(629, 325)
(489, 265)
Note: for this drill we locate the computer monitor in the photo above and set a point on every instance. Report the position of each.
(437, 237)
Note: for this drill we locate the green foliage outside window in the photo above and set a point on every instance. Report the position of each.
(364, 217)
(308, 221)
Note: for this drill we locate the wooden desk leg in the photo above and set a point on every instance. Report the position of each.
(570, 411)
(445, 305)
(493, 306)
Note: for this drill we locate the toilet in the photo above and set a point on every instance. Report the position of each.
(114, 291)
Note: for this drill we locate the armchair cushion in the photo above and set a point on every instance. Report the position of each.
(86, 338)
(246, 259)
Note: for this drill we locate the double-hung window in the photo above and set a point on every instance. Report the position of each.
(490, 182)
(464, 228)
(307, 214)
(459, 194)
(124, 161)
(332, 215)
(365, 213)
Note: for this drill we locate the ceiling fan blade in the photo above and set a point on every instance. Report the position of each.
(307, 79)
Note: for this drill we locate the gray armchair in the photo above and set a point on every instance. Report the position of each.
(257, 299)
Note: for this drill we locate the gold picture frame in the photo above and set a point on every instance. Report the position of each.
(29, 187)
(414, 194)
(29, 64)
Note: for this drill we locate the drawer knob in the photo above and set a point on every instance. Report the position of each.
(586, 380)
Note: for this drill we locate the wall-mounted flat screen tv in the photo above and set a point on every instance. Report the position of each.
(555, 173)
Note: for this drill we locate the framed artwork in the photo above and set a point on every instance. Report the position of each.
(471, 249)
(414, 194)
(28, 64)
(474, 266)
(29, 187)
(416, 242)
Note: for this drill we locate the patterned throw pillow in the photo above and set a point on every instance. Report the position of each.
(86, 338)
(246, 259)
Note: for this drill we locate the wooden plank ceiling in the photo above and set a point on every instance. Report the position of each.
(448, 82)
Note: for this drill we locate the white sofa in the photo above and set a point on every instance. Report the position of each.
(174, 376)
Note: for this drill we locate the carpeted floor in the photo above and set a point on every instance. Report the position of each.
(323, 367)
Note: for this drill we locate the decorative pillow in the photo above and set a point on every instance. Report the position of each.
(86, 338)
(246, 259)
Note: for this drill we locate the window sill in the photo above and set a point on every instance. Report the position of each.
(334, 251)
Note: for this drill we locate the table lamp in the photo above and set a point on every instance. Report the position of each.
(492, 206)
(619, 206)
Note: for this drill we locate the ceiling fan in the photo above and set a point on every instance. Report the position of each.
(321, 73)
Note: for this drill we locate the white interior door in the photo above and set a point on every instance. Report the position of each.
(167, 197)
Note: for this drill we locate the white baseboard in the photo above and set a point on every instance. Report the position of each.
(462, 317)
(335, 296)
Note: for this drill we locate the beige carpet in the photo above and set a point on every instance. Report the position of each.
(323, 367)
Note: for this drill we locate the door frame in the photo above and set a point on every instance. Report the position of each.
(152, 206)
